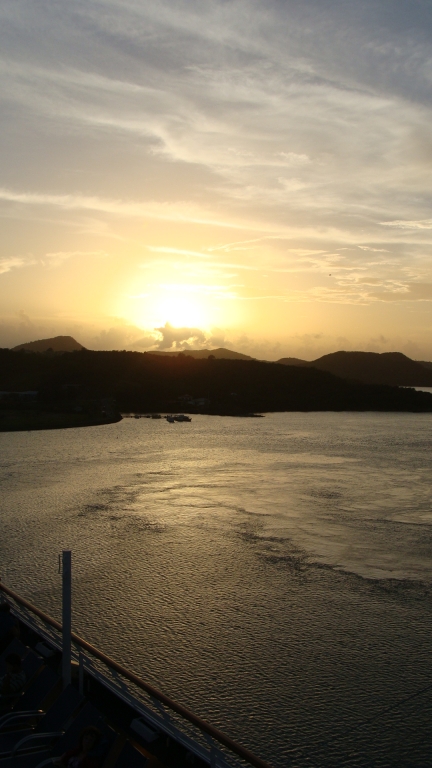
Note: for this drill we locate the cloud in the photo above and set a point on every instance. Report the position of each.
(421, 224)
(146, 343)
(177, 251)
(49, 259)
(179, 338)
(117, 333)
(121, 335)
(20, 329)
(58, 257)
(180, 211)
(304, 127)
(280, 103)
(374, 250)
(204, 289)
(217, 338)
(13, 262)
(408, 292)
(25, 322)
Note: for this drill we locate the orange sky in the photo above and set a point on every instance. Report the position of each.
(217, 174)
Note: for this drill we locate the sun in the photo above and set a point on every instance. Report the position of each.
(181, 305)
(181, 311)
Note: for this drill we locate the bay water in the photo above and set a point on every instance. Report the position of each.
(273, 574)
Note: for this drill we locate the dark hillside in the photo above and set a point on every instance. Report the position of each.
(292, 361)
(221, 353)
(56, 344)
(391, 368)
(148, 382)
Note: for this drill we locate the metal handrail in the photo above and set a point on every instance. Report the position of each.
(186, 713)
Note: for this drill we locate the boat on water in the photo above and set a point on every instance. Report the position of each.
(71, 684)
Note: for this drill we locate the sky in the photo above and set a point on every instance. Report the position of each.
(229, 173)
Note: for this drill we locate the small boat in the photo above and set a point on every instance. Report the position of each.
(182, 417)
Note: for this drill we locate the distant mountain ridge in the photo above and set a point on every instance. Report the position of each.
(56, 344)
(199, 354)
(145, 383)
(292, 361)
(393, 368)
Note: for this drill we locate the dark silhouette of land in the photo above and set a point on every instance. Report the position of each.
(148, 383)
(391, 368)
(69, 344)
(26, 419)
(56, 344)
(427, 365)
(199, 354)
(292, 361)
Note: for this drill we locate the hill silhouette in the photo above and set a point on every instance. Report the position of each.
(200, 354)
(426, 364)
(56, 344)
(292, 361)
(146, 382)
(392, 368)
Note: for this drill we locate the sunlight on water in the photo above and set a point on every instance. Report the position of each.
(273, 574)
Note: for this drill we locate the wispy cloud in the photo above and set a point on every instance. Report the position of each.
(204, 289)
(177, 251)
(400, 224)
(53, 259)
(58, 257)
(302, 128)
(165, 211)
(14, 262)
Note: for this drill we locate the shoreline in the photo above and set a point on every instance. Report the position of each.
(30, 421)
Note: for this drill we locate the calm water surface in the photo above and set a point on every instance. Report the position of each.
(272, 574)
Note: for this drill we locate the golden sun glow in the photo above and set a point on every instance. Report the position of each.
(181, 311)
(180, 305)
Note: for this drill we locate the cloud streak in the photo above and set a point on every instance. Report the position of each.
(301, 128)
(14, 262)
(164, 211)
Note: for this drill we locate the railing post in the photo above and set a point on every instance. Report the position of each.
(207, 730)
(81, 674)
(67, 617)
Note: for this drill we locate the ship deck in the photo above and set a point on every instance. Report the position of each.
(141, 726)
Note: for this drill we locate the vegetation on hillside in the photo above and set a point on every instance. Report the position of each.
(146, 382)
